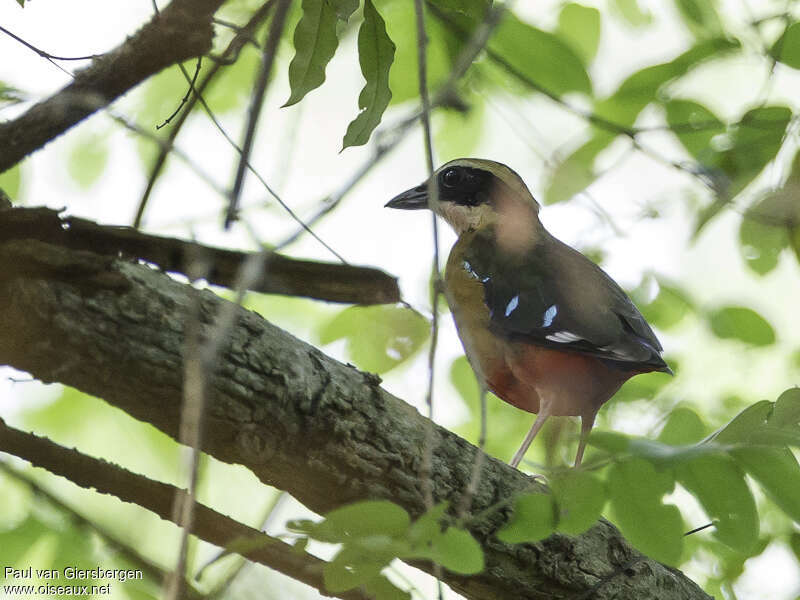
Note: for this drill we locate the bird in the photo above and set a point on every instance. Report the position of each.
(544, 327)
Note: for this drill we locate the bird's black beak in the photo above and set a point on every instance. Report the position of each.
(413, 199)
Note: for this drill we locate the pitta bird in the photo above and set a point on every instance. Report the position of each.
(547, 329)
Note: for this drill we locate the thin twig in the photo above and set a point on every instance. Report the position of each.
(222, 587)
(200, 359)
(233, 48)
(188, 93)
(264, 183)
(426, 471)
(436, 281)
(51, 58)
(256, 102)
(164, 145)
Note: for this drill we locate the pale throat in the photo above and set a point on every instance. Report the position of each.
(516, 223)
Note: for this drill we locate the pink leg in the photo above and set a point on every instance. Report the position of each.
(587, 421)
(544, 412)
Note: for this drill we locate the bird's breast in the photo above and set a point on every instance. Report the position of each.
(486, 352)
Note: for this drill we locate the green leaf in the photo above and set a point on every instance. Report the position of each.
(754, 142)
(641, 88)
(794, 544)
(684, 426)
(339, 576)
(668, 308)
(232, 86)
(362, 519)
(748, 146)
(743, 324)
(787, 409)
(457, 132)
(378, 337)
(700, 16)
(635, 490)
(718, 484)
(777, 472)
(402, 28)
(632, 13)
(16, 542)
(638, 90)
(344, 8)
(540, 56)
(382, 589)
(695, 127)
(10, 182)
(21, 3)
(786, 48)
(315, 43)
(579, 26)
(87, 159)
(375, 55)
(534, 519)
(643, 387)
(576, 172)
(457, 551)
(580, 497)
(761, 244)
(780, 208)
(427, 526)
(741, 427)
(10, 95)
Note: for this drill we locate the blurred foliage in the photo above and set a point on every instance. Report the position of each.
(87, 159)
(10, 182)
(741, 155)
(378, 337)
(373, 533)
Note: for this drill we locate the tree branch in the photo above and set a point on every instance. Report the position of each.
(332, 282)
(157, 497)
(302, 422)
(181, 31)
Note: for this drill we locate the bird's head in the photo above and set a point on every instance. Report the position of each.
(473, 192)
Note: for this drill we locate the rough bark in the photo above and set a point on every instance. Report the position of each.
(332, 282)
(299, 420)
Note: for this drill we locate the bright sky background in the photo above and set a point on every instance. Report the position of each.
(298, 153)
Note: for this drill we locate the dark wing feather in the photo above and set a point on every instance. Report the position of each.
(560, 299)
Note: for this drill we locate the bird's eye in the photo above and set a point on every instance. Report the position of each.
(451, 178)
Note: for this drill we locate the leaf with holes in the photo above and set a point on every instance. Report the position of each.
(378, 337)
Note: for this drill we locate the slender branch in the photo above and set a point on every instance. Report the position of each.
(436, 280)
(280, 274)
(166, 146)
(182, 31)
(155, 496)
(232, 50)
(185, 98)
(256, 102)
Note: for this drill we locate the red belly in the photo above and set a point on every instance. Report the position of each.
(575, 384)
